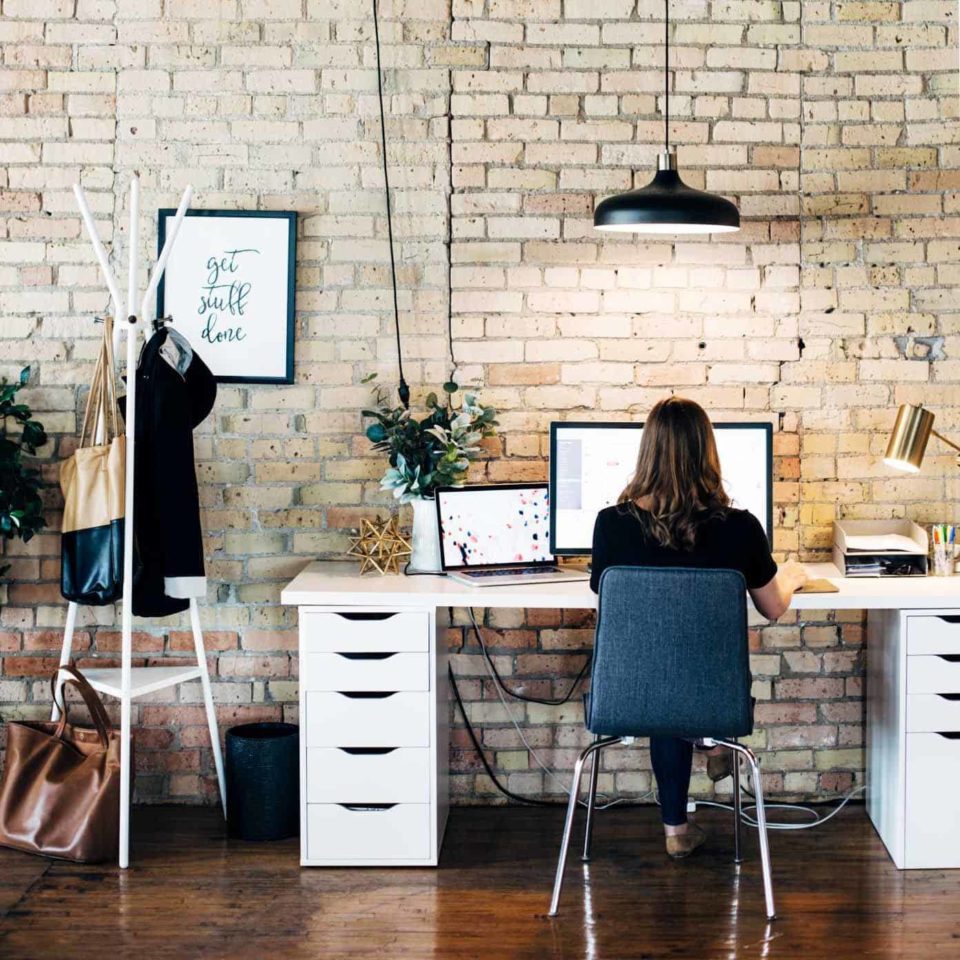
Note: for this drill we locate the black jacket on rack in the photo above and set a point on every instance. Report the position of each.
(175, 392)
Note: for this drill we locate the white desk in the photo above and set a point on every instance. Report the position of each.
(324, 582)
(374, 712)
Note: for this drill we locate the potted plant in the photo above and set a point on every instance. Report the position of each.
(428, 453)
(21, 506)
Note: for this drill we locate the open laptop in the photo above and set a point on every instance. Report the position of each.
(499, 534)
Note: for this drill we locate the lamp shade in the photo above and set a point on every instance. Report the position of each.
(908, 441)
(666, 205)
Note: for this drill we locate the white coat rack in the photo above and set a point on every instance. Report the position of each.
(127, 682)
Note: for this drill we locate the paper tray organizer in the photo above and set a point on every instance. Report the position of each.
(859, 548)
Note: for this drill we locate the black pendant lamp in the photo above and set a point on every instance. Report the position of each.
(666, 204)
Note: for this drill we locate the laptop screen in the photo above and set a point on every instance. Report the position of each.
(494, 526)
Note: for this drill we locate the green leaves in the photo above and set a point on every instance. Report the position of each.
(376, 433)
(431, 452)
(21, 506)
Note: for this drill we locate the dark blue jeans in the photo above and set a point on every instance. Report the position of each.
(672, 759)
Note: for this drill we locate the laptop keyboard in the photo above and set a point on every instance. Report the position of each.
(524, 571)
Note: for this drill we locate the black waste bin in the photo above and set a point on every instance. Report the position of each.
(263, 781)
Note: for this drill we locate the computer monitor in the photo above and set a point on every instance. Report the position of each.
(590, 464)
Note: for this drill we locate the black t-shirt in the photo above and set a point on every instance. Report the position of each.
(733, 540)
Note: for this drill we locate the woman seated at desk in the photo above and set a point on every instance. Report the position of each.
(674, 513)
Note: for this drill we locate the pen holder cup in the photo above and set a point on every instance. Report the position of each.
(943, 538)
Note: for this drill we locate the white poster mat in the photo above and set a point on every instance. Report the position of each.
(226, 287)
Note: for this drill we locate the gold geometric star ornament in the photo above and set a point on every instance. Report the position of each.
(379, 545)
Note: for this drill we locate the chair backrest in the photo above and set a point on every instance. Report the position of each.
(671, 655)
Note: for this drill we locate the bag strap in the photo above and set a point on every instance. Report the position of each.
(94, 704)
(102, 404)
(110, 379)
(88, 430)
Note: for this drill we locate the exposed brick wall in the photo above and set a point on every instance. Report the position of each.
(832, 124)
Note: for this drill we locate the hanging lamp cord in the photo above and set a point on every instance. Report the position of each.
(403, 389)
(666, 74)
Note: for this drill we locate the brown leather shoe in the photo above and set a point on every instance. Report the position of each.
(683, 844)
(720, 765)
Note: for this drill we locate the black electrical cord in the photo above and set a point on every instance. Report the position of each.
(666, 74)
(453, 362)
(528, 801)
(557, 702)
(403, 389)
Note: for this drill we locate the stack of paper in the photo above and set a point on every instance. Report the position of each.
(880, 543)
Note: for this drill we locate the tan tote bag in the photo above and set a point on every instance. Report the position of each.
(92, 481)
(60, 792)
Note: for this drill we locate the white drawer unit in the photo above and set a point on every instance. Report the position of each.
(370, 774)
(373, 743)
(913, 735)
(932, 814)
(933, 712)
(365, 834)
(364, 631)
(933, 673)
(933, 633)
(352, 671)
(374, 719)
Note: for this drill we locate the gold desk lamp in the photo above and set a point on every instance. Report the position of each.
(908, 441)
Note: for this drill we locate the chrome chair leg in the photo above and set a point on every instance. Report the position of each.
(741, 751)
(571, 810)
(591, 801)
(737, 809)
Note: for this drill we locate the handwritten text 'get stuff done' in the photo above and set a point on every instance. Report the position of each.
(224, 295)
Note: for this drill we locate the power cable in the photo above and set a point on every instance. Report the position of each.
(403, 389)
(498, 680)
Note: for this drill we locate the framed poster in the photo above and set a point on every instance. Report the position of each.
(229, 287)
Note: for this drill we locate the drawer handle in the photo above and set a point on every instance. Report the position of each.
(949, 617)
(367, 751)
(950, 657)
(949, 696)
(364, 615)
(366, 656)
(367, 807)
(367, 694)
(948, 736)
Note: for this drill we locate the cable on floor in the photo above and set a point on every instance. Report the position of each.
(781, 825)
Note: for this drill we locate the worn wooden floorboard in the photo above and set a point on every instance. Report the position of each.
(193, 893)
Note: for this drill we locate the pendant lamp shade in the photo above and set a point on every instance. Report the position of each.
(666, 205)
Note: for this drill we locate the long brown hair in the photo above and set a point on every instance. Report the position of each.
(677, 475)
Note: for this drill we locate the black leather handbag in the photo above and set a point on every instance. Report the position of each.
(92, 481)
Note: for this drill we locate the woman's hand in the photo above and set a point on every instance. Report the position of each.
(773, 600)
(793, 576)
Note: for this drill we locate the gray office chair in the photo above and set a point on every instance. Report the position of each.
(671, 658)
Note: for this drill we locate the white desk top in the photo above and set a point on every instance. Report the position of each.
(332, 582)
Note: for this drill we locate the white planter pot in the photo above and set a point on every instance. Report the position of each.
(425, 542)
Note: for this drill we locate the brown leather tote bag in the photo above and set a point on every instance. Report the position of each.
(60, 791)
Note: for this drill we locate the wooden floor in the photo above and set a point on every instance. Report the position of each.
(193, 893)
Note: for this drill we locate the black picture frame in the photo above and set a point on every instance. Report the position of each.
(759, 425)
(290, 339)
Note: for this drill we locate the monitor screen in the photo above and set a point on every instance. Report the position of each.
(494, 526)
(590, 464)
